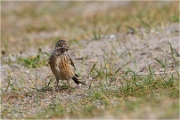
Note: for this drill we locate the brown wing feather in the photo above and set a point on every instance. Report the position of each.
(72, 62)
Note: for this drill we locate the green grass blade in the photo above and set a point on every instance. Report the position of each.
(160, 62)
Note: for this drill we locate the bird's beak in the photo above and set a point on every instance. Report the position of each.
(64, 48)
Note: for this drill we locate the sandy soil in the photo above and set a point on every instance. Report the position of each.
(130, 48)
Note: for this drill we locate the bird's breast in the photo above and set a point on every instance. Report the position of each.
(64, 68)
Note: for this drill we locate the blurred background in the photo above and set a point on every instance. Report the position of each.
(27, 25)
(126, 52)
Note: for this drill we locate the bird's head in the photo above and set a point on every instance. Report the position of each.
(61, 47)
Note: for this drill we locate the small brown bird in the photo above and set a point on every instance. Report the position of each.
(61, 64)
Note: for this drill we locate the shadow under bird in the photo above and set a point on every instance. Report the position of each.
(61, 64)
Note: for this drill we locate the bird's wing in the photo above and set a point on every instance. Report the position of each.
(72, 62)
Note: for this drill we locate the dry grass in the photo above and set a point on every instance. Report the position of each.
(127, 53)
(37, 23)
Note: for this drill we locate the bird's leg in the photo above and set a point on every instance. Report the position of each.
(70, 88)
(68, 83)
(56, 84)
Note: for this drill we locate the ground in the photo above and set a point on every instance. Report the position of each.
(126, 53)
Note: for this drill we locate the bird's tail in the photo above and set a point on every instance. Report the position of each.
(77, 81)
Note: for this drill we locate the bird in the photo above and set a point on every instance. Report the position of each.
(62, 65)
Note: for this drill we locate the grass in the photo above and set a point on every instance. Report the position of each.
(159, 95)
(115, 90)
(41, 59)
(70, 25)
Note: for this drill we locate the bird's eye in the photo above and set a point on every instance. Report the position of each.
(58, 44)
